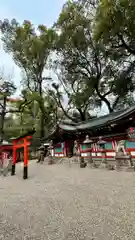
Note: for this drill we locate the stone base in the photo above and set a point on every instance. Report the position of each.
(4, 172)
(111, 167)
(120, 168)
(83, 165)
(103, 165)
(122, 161)
(90, 165)
(124, 168)
(51, 161)
(95, 165)
(131, 169)
(75, 159)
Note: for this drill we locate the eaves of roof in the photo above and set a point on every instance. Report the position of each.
(98, 122)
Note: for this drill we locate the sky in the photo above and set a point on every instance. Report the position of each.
(38, 12)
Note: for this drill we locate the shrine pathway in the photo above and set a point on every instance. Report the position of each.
(62, 203)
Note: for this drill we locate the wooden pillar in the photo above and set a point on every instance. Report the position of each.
(14, 159)
(65, 149)
(25, 169)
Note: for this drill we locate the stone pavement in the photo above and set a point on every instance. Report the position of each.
(59, 202)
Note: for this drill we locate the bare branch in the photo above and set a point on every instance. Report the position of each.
(116, 102)
(103, 99)
(125, 45)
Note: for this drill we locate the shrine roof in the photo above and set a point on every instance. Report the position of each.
(98, 122)
(6, 143)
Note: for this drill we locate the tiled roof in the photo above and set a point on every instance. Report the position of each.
(98, 122)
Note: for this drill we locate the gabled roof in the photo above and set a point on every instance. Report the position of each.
(98, 122)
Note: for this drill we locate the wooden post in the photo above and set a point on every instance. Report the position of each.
(14, 159)
(25, 168)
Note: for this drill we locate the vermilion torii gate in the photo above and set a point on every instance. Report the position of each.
(22, 142)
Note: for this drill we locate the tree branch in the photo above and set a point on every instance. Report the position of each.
(81, 114)
(1, 105)
(21, 107)
(109, 92)
(65, 113)
(116, 102)
(103, 99)
(58, 101)
(126, 46)
(86, 105)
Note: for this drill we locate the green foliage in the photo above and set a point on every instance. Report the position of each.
(114, 18)
(29, 116)
(86, 66)
(7, 88)
(30, 49)
(115, 28)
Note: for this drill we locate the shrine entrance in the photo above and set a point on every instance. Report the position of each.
(18, 143)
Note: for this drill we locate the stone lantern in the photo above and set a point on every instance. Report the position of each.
(101, 144)
(51, 153)
(87, 149)
(51, 148)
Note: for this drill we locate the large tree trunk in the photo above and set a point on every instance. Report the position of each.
(42, 112)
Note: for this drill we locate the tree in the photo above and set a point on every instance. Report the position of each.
(30, 49)
(115, 28)
(30, 112)
(7, 88)
(78, 96)
(88, 63)
(116, 19)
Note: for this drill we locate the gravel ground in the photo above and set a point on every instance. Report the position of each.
(62, 203)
